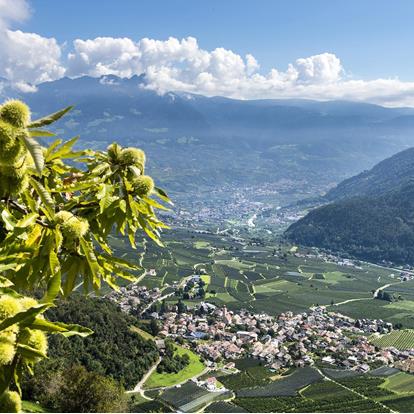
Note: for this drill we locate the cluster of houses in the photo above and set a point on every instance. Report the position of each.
(406, 365)
(286, 340)
(134, 298)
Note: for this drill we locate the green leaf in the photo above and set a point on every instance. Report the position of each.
(49, 119)
(30, 353)
(4, 282)
(8, 220)
(36, 151)
(61, 328)
(64, 149)
(118, 261)
(162, 195)
(53, 285)
(149, 232)
(41, 133)
(52, 146)
(27, 220)
(92, 262)
(24, 317)
(45, 197)
(153, 203)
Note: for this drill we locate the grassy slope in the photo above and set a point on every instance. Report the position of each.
(194, 368)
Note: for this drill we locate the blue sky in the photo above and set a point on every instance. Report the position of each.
(372, 38)
(314, 49)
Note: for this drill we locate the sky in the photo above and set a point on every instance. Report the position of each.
(330, 49)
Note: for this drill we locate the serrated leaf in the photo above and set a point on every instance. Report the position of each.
(44, 196)
(8, 220)
(63, 149)
(153, 203)
(24, 317)
(4, 282)
(30, 353)
(49, 119)
(27, 220)
(92, 262)
(61, 328)
(149, 232)
(53, 285)
(36, 152)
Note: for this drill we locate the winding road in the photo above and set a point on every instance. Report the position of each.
(138, 387)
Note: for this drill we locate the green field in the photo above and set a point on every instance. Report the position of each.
(400, 339)
(190, 397)
(254, 277)
(194, 368)
(285, 386)
(400, 383)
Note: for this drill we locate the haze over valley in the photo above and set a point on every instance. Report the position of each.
(224, 160)
(206, 207)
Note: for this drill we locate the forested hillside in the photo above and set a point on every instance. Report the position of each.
(114, 350)
(375, 228)
(386, 176)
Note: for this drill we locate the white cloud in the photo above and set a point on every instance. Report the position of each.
(13, 11)
(28, 59)
(181, 65)
(317, 69)
(104, 56)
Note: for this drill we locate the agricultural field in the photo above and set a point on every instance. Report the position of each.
(271, 278)
(384, 392)
(401, 404)
(371, 387)
(285, 386)
(224, 407)
(275, 279)
(400, 339)
(151, 406)
(194, 368)
(337, 374)
(384, 371)
(250, 377)
(190, 397)
(400, 383)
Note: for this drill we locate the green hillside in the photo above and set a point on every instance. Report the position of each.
(384, 177)
(372, 228)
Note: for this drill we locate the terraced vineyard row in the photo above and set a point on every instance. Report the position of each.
(402, 339)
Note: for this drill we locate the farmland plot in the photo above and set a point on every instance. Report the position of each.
(400, 339)
(286, 386)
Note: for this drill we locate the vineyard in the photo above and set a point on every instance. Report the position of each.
(402, 339)
(287, 386)
(252, 376)
(305, 405)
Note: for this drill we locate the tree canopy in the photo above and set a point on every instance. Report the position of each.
(58, 206)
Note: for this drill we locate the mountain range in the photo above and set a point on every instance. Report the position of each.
(197, 144)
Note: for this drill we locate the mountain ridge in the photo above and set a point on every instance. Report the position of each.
(369, 216)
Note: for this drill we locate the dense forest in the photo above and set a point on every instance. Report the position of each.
(113, 350)
(378, 228)
(386, 176)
